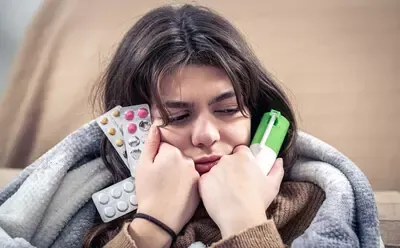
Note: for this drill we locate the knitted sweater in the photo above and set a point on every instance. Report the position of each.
(292, 212)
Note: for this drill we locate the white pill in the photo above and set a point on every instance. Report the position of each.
(129, 187)
(109, 212)
(103, 199)
(133, 200)
(122, 206)
(116, 193)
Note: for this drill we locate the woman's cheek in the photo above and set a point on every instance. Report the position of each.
(174, 136)
(165, 135)
(238, 134)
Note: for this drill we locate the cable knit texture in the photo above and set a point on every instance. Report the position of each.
(49, 203)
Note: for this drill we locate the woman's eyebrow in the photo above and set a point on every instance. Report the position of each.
(180, 104)
(223, 96)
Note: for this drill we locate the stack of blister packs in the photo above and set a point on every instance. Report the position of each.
(127, 129)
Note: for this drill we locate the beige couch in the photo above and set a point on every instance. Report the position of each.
(6, 175)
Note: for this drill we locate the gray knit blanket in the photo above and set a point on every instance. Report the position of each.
(49, 203)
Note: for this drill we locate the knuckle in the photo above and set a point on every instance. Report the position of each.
(247, 152)
(245, 158)
(242, 149)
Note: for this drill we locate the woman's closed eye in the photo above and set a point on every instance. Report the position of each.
(182, 118)
(177, 119)
(227, 110)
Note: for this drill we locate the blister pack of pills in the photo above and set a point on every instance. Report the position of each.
(126, 128)
(113, 131)
(135, 127)
(116, 200)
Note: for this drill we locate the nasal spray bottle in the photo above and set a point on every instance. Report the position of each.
(268, 139)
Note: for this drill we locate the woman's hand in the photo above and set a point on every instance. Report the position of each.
(166, 183)
(235, 192)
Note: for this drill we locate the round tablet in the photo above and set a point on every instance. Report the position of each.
(103, 199)
(132, 128)
(109, 212)
(122, 206)
(116, 113)
(133, 200)
(129, 115)
(129, 187)
(142, 113)
(116, 193)
(111, 131)
(119, 142)
(104, 120)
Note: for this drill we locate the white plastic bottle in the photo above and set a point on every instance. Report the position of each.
(268, 139)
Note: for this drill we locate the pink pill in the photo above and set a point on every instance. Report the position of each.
(132, 128)
(129, 115)
(142, 113)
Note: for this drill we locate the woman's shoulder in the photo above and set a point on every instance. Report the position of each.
(293, 189)
(295, 207)
(298, 196)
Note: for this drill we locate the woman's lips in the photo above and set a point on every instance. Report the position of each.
(205, 167)
(205, 164)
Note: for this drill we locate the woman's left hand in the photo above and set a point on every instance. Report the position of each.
(236, 194)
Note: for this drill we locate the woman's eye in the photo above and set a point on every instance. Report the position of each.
(228, 111)
(178, 119)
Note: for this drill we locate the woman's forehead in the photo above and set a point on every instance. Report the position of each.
(192, 80)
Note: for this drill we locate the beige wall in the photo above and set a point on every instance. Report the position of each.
(340, 61)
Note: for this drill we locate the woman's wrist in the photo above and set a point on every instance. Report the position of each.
(240, 223)
(146, 234)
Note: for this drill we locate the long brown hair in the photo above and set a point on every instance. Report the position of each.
(161, 42)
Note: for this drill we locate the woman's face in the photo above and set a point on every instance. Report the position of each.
(205, 122)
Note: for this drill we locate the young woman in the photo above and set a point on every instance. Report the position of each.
(197, 183)
(207, 91)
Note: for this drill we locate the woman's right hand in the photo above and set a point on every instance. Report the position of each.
(166, 183)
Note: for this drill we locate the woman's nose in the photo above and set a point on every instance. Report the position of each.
(205, 132)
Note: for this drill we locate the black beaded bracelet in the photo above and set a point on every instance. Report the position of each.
(157, 223)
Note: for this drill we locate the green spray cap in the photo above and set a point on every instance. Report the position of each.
(277, 131)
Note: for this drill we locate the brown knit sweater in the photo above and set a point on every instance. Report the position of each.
(291, 212)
